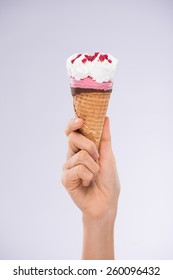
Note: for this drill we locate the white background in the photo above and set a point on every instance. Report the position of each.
(38, 220)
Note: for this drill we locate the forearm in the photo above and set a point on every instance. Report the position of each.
(98, 238)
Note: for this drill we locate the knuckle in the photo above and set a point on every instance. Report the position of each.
(64, 166)
(82, 155)
(71, 138)
(66, 131)
(63, 180)
(69, 127)
(80, 169)
(84, 173)
(90, 176)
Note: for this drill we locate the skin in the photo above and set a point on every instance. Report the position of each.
(91, 178)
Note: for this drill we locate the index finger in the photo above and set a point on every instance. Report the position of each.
(73, 125)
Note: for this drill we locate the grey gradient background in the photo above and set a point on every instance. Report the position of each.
(38, 220)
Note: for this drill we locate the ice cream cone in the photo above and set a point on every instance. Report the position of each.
(91, 80)
(91, 107)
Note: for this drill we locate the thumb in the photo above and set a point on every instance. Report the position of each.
(105, 143)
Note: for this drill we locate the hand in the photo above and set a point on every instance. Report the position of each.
(90, 176)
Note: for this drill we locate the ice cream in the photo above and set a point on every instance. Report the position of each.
(91, 80)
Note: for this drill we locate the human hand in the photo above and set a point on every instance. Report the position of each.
(90, 176)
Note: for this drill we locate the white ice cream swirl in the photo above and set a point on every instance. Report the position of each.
(100, 67)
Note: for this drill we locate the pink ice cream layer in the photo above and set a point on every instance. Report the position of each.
(90, 83)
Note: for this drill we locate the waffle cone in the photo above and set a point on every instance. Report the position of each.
(91, 107)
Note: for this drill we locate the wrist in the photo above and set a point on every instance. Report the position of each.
(101, 216)
(99, 220)
(98, 237)
(100, 227)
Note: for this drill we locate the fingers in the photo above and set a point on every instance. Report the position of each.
(79, 142)
(105, 143)
(75, 176)
(106, 135)
(105, 149)
(74, 124)
(83, 158)
(79, 169)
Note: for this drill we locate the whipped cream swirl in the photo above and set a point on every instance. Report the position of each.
(99, 67)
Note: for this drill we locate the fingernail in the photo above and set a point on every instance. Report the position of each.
(76, 121)
(95, 155)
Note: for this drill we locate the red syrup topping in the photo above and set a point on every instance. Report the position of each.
(102, 57)
(73, 60)
(90, 57)
(84, 60)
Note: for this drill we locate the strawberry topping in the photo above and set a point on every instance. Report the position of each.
(84, 60)
(90, 58)
(101, 57)
(73, 60)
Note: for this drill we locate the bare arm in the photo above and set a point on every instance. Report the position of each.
(91, 178)
(98, 239)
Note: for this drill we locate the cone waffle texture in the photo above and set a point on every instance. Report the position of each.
(92, 107)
